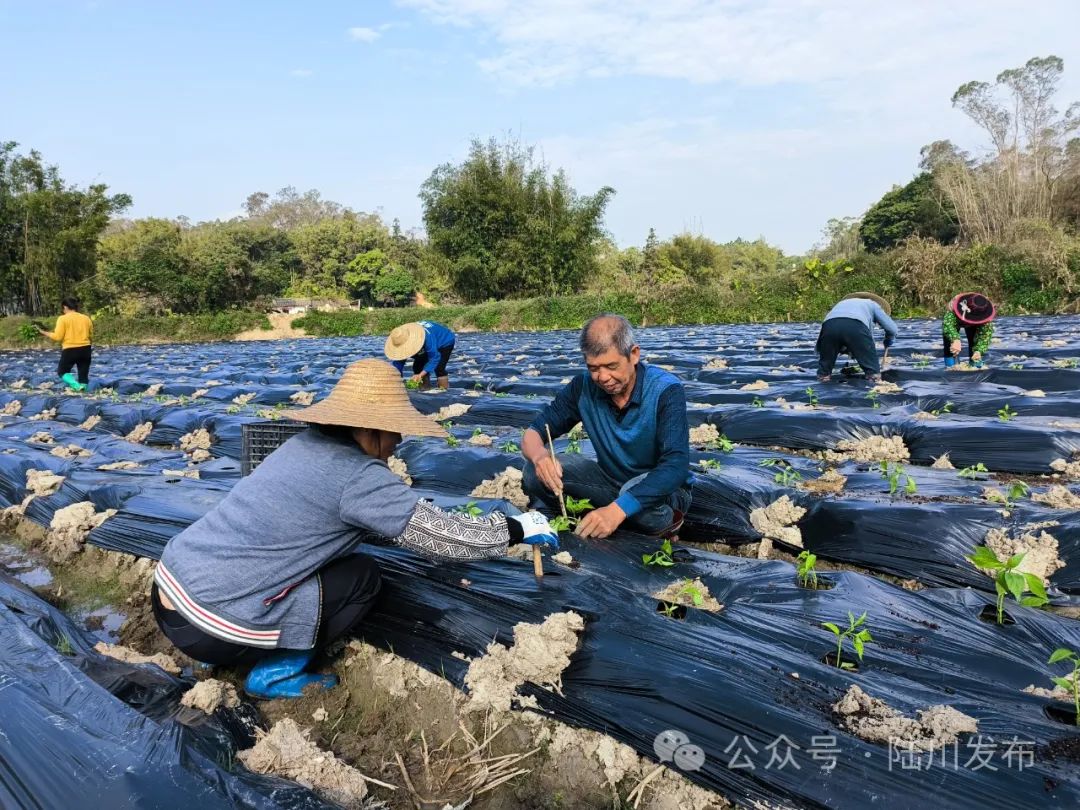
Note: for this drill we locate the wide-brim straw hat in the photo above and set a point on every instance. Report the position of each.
(404, 341)
(370, 394)
(877, 299)
(973, 309)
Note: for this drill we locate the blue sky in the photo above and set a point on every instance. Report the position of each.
(726, 117)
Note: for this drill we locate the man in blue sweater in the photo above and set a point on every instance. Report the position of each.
(849, 327)
(429, 344)
(635, 415)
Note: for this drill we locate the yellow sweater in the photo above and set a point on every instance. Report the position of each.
(73, 329)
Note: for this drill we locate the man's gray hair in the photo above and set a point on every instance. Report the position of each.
(607, 331)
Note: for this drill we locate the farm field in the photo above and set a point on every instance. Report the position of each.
(927, 687)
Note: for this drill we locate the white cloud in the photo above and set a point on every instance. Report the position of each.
(363, 34)
(301, 73)
(798, 110)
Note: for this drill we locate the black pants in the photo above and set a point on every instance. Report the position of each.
(972, 334)
(420, 360)
(846, 335)
(79, 358)
(349, 587)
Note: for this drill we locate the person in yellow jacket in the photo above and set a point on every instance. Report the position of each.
(75, 334)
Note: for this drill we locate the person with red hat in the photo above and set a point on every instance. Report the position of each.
(974, 313)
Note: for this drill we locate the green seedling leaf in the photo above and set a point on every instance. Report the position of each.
(1060, 654)
(1035, 585)
(831, 626)
(1014, 561)
(1064, 683)
(857, 643)
(984, 557)
(1015, 584)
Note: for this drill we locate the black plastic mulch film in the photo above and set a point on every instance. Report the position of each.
(747, 685)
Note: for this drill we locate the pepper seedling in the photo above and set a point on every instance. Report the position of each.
(786, 475)
(1006, 413)
(574, 509)
(858, 638)
(894, 473)
(811, 396)
(691, 590)
(509, 447)
(805, 571)
(973, 471)
(412, 385)
(1071, 683)
(757, 402)
(873, 395)
(1007, 580)
(710, 464)
(469, 509)
(661, 557)
(721, 443)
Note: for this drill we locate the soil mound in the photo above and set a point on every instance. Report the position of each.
(874, 720)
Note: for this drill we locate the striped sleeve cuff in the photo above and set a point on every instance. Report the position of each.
(629, 504)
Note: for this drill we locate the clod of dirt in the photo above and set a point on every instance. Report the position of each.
(153, 390)
(90, 422)
(69, 528)
(539, 655)
(704, 434)
(70, 451)
(1036, 392)
(886, 387)
(829, 481)
(874, 720)
(12, 408)
(210, 695)
(43, 482)
(120, 465)
(1058, 497)
(398, 676)
(286, 751)
(505, 486)
(45, 415)
(776, 521)
(198, 455)
(481, 440)
(243, 399)
(716, 363)
(532, 372)
(451, 411)
(182, 473)
(18, 385)
(41, 437)
(1040, 552)
(140, 433)
(1057, 693)
(521, 551)
(942, 463)
(196, 440)
(129, 656)
(400, 469)
(199, 392)
(757, 385)
(681, 593)
(875, 448)
(924, 415)
(1070, 469)
(302, 397)
(563, 558)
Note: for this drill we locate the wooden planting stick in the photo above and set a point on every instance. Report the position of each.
(551, 447)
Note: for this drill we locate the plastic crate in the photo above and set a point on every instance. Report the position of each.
(260, 439)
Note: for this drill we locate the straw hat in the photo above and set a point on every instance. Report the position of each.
(877, 299)
(405, 341)
(370, 394)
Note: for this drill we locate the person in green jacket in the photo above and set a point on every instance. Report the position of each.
(974, 313)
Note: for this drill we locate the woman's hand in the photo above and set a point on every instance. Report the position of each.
(954, 347)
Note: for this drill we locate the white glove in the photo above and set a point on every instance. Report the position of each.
(536, 530)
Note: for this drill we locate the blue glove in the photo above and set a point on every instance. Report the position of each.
(536, 530)
(950, 362)
(977, 363)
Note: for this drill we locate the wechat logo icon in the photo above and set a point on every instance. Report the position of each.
(675, 747)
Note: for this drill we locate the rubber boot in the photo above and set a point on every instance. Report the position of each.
(281, 675)
(444, 383)
(71, 382)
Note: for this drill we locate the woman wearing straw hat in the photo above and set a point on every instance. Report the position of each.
(271, 575)
(974, 313)
(429, 344)
(849, 327)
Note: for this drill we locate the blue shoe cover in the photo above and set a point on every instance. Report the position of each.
(72, 383)
(282, 674)
(292, 687)
(950, 362)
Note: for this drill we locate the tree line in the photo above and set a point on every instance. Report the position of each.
(503, 224)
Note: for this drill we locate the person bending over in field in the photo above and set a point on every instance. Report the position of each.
(429, 344)
(849, 328)
(75, 334)
(274, 573)
(635, 416)
(974, 313)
